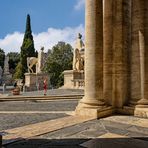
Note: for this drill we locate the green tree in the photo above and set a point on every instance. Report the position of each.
(27, 48)
(18, 71)
(14, 58)
(59, 59)
(2, 57)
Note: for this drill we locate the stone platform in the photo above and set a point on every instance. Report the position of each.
(35, 81)
(52, 124)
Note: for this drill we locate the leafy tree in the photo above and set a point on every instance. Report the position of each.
(2, 57)
(18, 71)
(27, 48)
(59, 59)
(14, 58)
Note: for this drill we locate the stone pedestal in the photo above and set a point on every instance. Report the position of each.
(35, 81)
(73, 79)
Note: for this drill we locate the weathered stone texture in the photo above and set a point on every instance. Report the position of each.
(107, 50)
(94, 52)
(116, 59)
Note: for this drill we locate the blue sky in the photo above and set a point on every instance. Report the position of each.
(51, 20)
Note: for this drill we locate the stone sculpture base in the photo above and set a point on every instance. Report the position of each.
(35, 81)
(73, 79)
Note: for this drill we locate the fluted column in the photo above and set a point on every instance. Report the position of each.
(108, 50)
(143, 47)
(139, 58)
(93, 54)
(121, 50)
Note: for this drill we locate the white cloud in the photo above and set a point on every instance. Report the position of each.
(13, 42)
(79, 5)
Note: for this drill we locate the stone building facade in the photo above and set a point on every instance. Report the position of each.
(116, 58)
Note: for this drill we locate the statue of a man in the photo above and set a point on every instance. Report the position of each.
(78, 65)
(79, 43)
(78, 60)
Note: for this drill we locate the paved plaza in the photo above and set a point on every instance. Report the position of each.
(51, 124)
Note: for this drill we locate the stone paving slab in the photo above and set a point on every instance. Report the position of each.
(54, 105)
(94, 128)
(13, 120)
(110, 134)
(48, 143)
(37, 112)
(129, 120)
(42, 128)
(111, 140)
(50, 92)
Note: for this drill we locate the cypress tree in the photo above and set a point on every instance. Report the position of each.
(27, 48)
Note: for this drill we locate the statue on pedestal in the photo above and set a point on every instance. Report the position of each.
(75, 78)
(34, 81)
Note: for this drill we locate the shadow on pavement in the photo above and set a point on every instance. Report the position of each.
(137, 142)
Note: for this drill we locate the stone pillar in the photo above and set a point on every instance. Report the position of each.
(139, 60)
(108, 50)
(92, 104)
(94, 54)
(121, 50)
(143, 47)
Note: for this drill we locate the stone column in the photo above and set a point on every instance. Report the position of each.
(121, 50)
(108, 50)
(139, 58)
(93, 103)
(94, 54)
(143, 47)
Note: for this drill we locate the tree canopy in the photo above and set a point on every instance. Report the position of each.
(59, 59)
(2, 57)
(27, 49)
(14, 58)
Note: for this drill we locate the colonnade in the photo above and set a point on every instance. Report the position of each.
(116, 59)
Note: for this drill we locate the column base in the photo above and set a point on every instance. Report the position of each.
(93, 111)
(136, 111)
(91, 103)
(143, 102)
(133, 102)
(139, 103)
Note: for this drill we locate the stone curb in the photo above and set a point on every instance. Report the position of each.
(23, 98)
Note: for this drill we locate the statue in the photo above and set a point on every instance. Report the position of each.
(39, 62)
(31, 61)
(78, 58)
(79, 61)
(79, 43)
